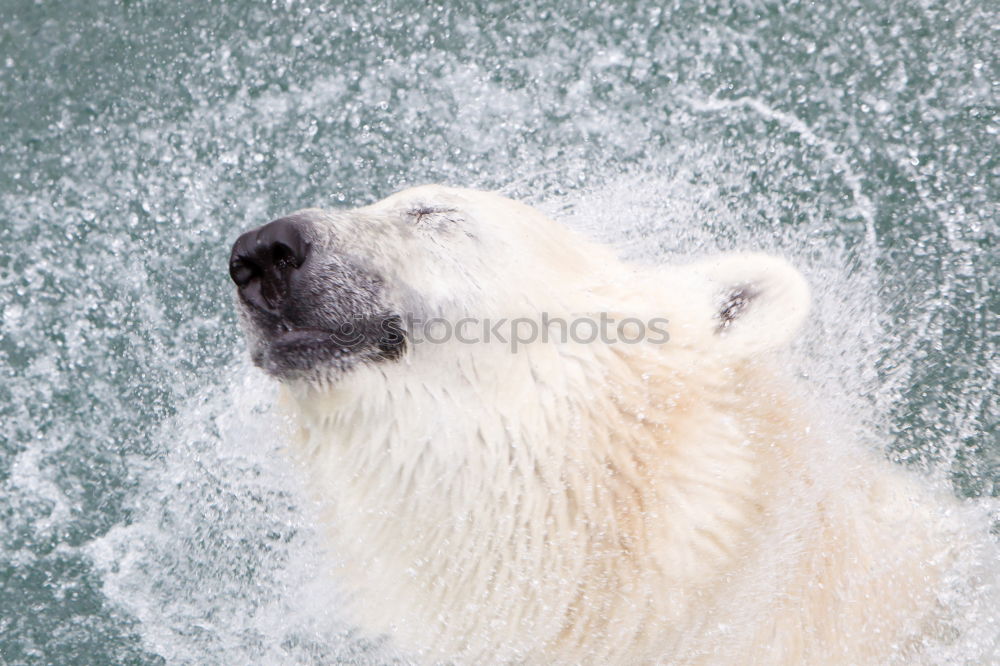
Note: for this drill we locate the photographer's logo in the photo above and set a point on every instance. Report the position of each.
(514, 332)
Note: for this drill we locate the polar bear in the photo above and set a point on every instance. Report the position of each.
(627, 498)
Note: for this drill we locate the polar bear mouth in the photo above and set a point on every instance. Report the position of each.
(291, 340)
(300, 349)
(289, 352)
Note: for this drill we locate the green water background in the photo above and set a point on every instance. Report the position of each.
(138, 138)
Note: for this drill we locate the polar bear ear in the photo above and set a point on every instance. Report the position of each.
(757, 302)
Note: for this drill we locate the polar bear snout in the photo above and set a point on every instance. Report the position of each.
(309, 311)
(264, 262)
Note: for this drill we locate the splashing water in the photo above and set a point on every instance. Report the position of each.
(148, 514)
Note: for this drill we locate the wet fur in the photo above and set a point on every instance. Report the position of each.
(606, 504)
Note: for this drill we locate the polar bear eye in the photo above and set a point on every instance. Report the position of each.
(424, 213)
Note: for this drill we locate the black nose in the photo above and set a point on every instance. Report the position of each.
(265, 261)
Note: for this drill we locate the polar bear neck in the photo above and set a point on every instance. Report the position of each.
(565, 485)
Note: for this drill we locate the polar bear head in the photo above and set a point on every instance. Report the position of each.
(322, 292)
(570, 469)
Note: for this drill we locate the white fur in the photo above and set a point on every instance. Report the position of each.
(600, 503)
